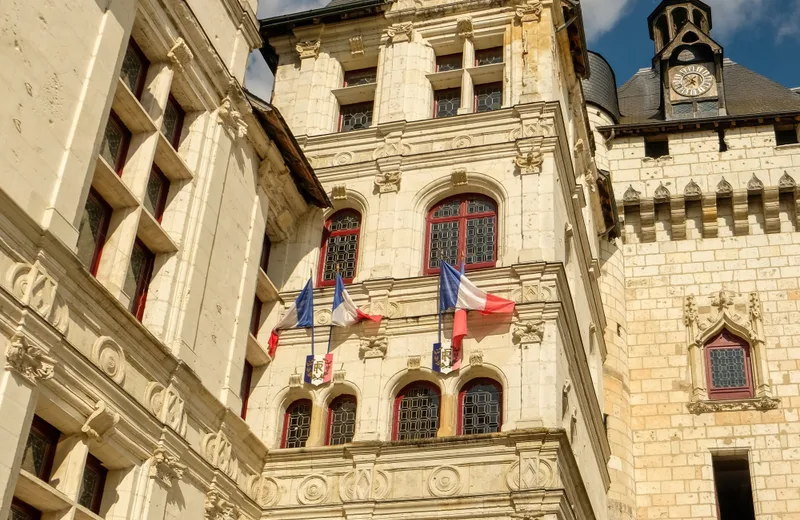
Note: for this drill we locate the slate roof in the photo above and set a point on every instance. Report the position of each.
(746, 93)
(601, 87)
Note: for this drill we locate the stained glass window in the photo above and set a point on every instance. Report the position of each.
(447, 102)
(40, 448)
(297, 424)
(340, 249)
(92, 484)
(488, 97)
(155, 200)
(134, 69)
(417, 412)
(356, 117)
(354, 78)
(172, 124)
(462, 228)
(728, 359)
(93, 230)
(449, 62)
(140, 270)
(342, 420)
(489, 56)
(481, 406)
(115, 143)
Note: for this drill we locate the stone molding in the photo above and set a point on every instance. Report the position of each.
(29, 360)
(761, 404)
(101, 423)
(180, 54)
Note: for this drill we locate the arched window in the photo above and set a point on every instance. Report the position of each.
(340, 247)
(679, 18)
(480, 407)
(728, 366)
(416, 412)
(462, 228)
(341, 420)
(296, 424)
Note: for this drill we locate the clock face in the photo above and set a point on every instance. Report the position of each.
(692, 81)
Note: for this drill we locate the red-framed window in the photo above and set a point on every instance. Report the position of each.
(488, 56)
(449, 62)
(255, 317)
(339, 251)
(266, 249)
(93, 231)
(480, 407)
(341, 420)
(462, 229)
(23, 511)
(140, 272)
(40, 450)
(446, 102)
(116, 140)
(357, 116)
(92, 484)
(296, 424)
(172, 124)
(155, 199)
(134, 68)
(354, 78)
(416, 412)
(728, 367)
(489, 97)
(244, 391)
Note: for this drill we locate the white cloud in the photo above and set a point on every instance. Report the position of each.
(729, 16)
(600, 16)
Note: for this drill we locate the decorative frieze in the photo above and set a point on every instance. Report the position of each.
(364, 484)
(760, 404)
(531, 472)
(165, 466)
(374, 347)
(313, 489)
(35, 288)
(445, 481)
(100, 424)
(29, 360)
(217, 449)
(167, 405)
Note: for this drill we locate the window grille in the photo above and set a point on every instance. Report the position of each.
(356, 117)
(462, 228)
(480, 407)
(342, 420)
(297, 424)
(447, 102)
(340, 247)
(417, 412)
(488, 97)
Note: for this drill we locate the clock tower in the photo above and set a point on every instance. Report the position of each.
(689, 61)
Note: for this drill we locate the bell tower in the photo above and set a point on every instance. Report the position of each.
(689, 60)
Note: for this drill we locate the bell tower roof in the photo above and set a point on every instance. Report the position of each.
(667, 20)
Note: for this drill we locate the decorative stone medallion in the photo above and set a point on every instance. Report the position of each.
(445, 481)
(313, 490)
(110, 357)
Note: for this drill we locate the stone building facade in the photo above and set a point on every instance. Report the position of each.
(648, 235)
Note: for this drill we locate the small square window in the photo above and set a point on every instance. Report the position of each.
(655, 147)
(786, 134)
(134, 68)
(155, 200)
(92, 484)
(488, 97)
(489, 56)
(354, 78)
(172, 124)
(115, 143)
(355, 117)
(40, 450)
(137, 282)
(447, 102)
(449, 62)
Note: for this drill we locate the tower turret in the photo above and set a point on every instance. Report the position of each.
(671, 16)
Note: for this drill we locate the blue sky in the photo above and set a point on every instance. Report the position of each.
(763, 35)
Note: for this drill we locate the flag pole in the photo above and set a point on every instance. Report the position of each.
(312, 311)
(439, 296)
(330, 329)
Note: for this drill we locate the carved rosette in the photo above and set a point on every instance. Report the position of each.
(28, 360)
(165, 466)
(388, 182)
(374, 347)
(264, 490)
(313, 490)
(110, 357)
(400, 32)
(528, 332)
(461, 141)
(445, 481)
(308, 49)
(530, 163)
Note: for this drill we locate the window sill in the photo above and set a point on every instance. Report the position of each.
(130, 111)
(81, 513)
(762, 404)
(169, 162)
(265, 289)
(111, 187)
(447, 79)
(39, 494)
(256, 355)
(153, 235)
(357, 94)
(788, 147)
(487, 73)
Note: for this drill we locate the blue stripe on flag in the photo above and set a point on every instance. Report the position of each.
(449, 280)
(305, 307)
(337, 294)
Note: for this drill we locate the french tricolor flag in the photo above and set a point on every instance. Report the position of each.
(299, 316)
(345, 312)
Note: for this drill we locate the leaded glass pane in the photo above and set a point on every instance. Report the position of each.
(153, 194)
(343, 421)
(444, 244)
(299, 425)
(112, 142)
(451, 208)
(89, 230)
(132, 68)
(480, 240)
(33, 459)
(708, 106)
(136, 269)
(448, 102)
(449, 62)
(354, 78)
(344, 222)
(489, 56)
(728, 368)
(480, 206)
(171, 122)
(356, 117)
(341, 255)
(481, 409)
(418, 414)
(488, 97)
(19, 514)
(89, 487)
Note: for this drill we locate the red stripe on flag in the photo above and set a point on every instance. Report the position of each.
(459, 332)
(365, 316)
(273, 343)
(498, 305)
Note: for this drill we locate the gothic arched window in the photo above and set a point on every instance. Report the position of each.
(416, 412)
(341, 420)
(462, 228)
(480, 407)
(340, 247)
(296, 424)
(728, 367)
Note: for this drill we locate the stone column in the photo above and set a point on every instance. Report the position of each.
(25, 365)
(537, 362)
(159, 474)
(405, 91)
(537, 55)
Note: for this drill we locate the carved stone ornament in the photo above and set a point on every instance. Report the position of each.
(28, 360)
(313, 490)
(339, 192)
(180, 54)
(662, 193)
(459, 177)
(167, 405)
(296, 381)
(264, 490)
(230, 117)
(363, 484)
(100, 424)
(464, 27)
(374, 347)
(724, 187)
(308, 49)
(38, 290)
(755, 184)
(343, 158)
(110, 357)
(390, 148)
(165, 466)
(400, 32)
(357, 46)
(445, 481)
(218, 508)
(414, 362)
(631, 196)
(217, 449)
(760, 404)
(476, 358)
(530, 11)
(692, 191)
(786, 182)
(528, 332)
(388, 182)
(532, 473)
(339, 376)
(530, 162)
